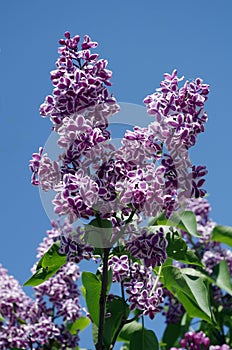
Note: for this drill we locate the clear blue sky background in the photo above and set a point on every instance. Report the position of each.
(141, 40)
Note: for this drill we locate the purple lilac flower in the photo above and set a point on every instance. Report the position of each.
(78, 136)
(72, 244)
(201, 209)
(180, 109)
(45, 172)
(123, 179)
(114, 186)
(212, 252)
(43, 331)
(173, 310)
(120, 267)
(194, 341)
(76, 196)
(79, 81)
(212, 257)
(61, 289)
(14, 304)
(220, 347)
(151, 247)
(30, 322)
(144, 189)
(141, 291)
(140, 144)
(139, 283)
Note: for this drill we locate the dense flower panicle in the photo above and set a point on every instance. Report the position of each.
(14, 304)
(194, 341)
(79, 81)
(141, 291)
(139, 282)
(151, 247)
(27, 322)
(81, 134)
(90, 176)
(181, 110)
(62, 291)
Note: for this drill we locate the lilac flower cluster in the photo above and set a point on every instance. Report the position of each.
(92, 176)
(27, 323)
(30, 322)
(142, 291)
(180, 111)
(151, 247)
(194, 341)
(79, 81)
(139, 283)
(212, 256)
(198, 341)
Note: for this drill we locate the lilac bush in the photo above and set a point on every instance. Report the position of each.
(146, 221)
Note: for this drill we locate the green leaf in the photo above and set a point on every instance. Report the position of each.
(177, 249)
(191, 291)
(94, 333)
(174, 331)
(185, 220)
(188, 222)
(144, 340)
(119, 310)
(221, 276)
(170, 335)
(48, 265)
(222, 234)
(128, 330)
(99, 233)
(92, 286)
(139, 338)
(80, 324)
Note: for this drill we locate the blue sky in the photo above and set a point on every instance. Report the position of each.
(141, 41)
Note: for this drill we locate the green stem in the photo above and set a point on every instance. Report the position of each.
(156, 280)
(102, 301)
(123, 321)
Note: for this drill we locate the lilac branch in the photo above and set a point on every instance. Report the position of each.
(123, 321)
(99, 345)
